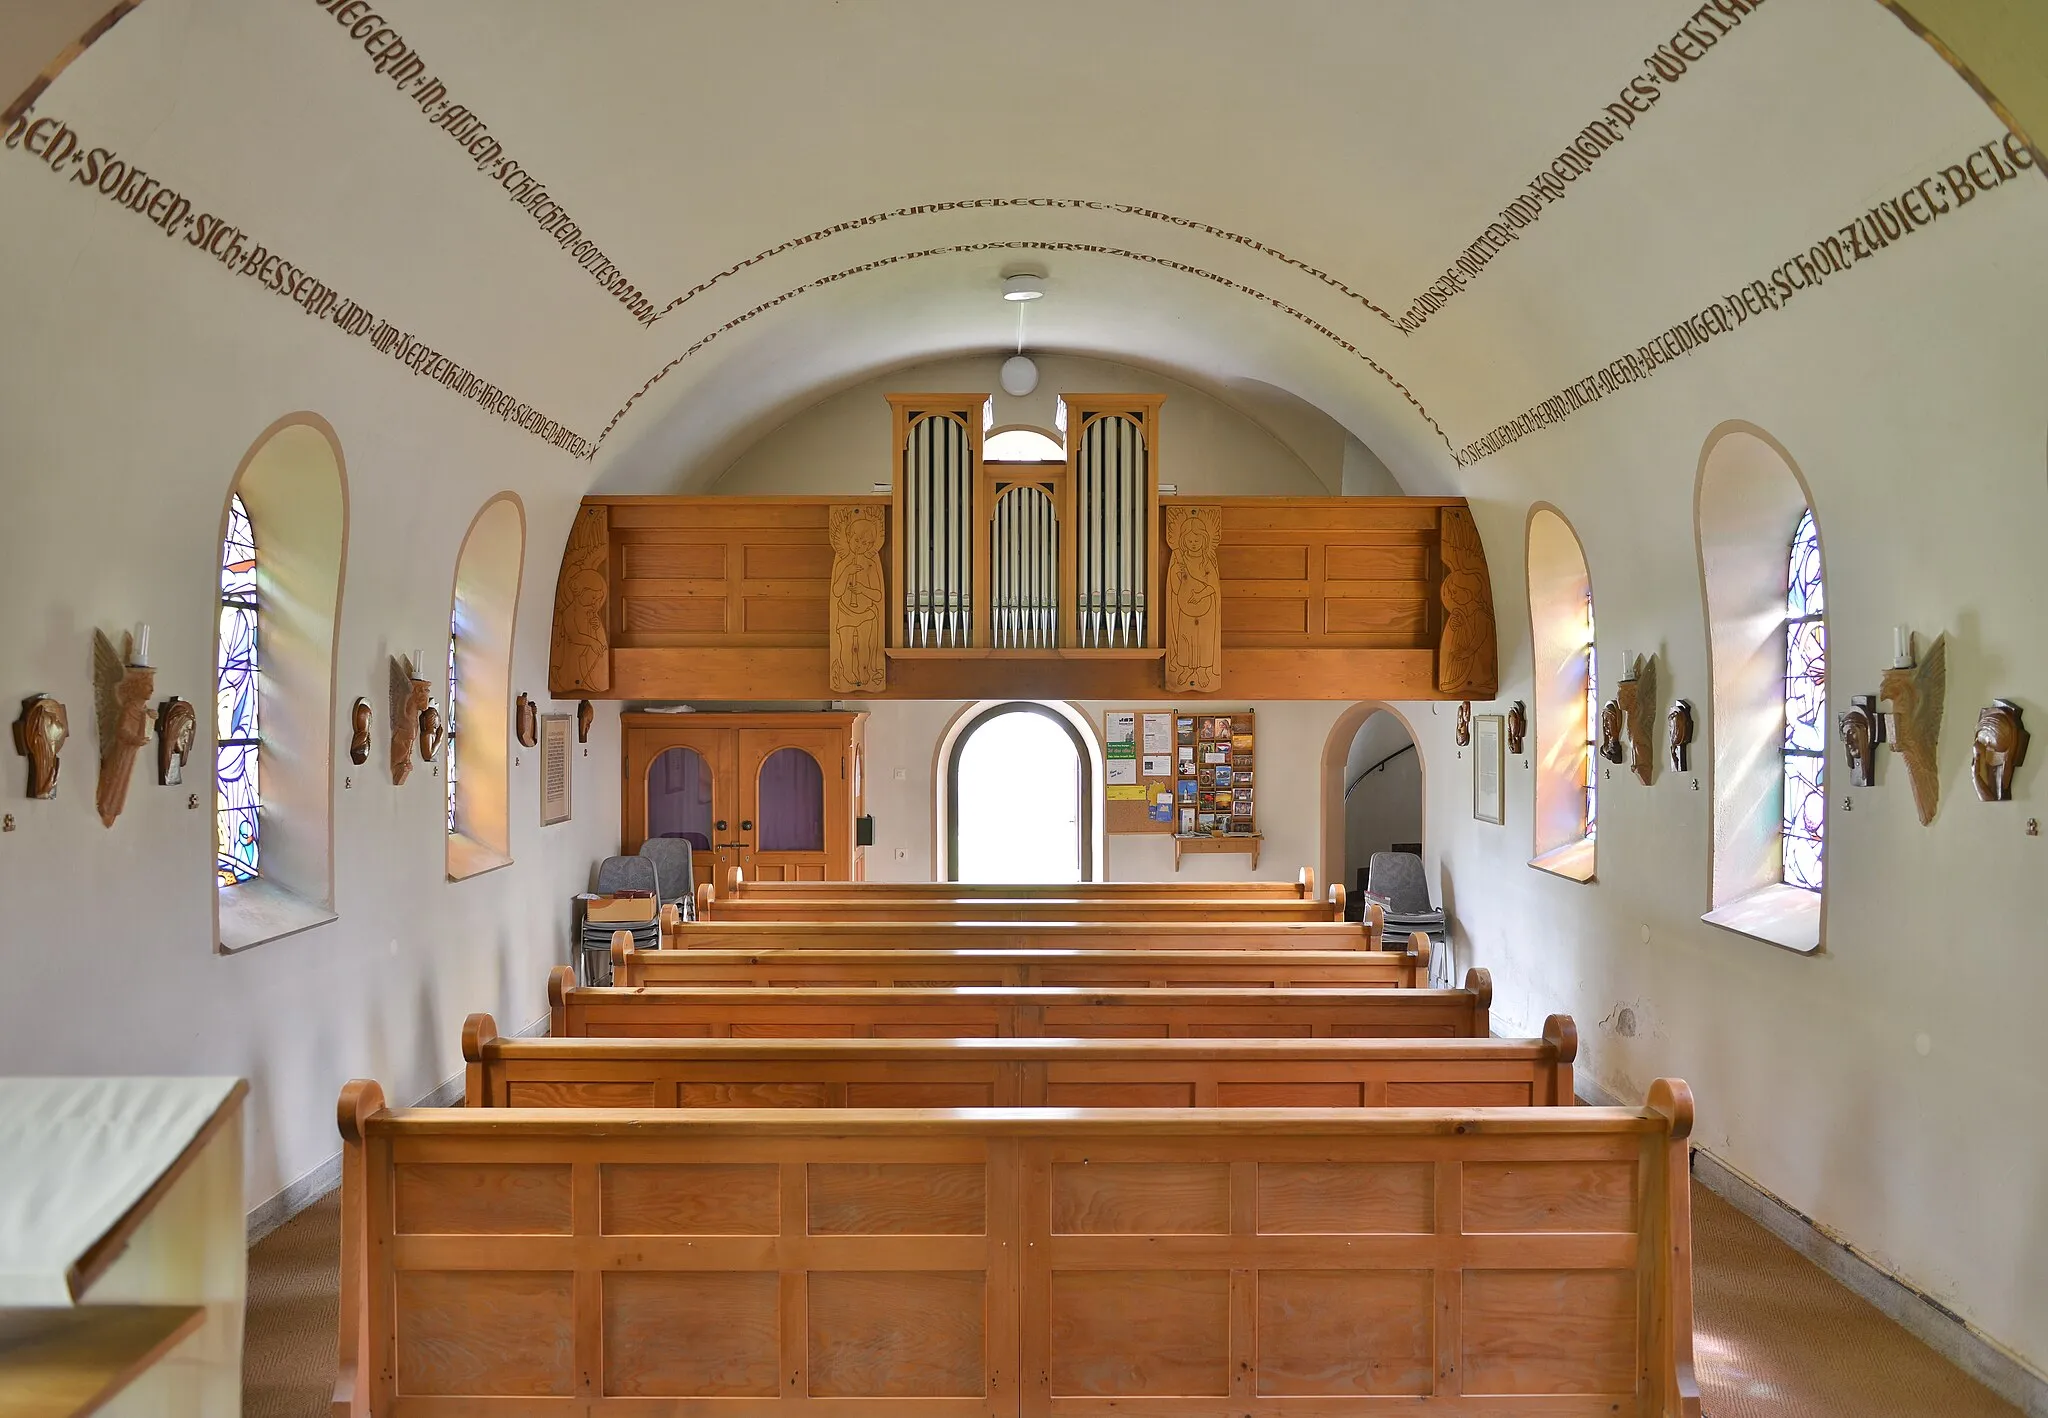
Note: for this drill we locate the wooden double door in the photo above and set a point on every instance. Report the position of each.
(775, 795)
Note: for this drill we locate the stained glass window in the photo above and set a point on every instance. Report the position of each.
(1806, 710)
(1592, 724)
(450, 760)
(237, 828)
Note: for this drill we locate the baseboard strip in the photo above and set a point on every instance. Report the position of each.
(1932, 1323)
(302, 1193)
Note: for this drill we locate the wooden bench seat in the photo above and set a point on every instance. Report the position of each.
(996, 1262)
(1092, 1073)
(854, 904)
(1012, 1012)
(871, 934)
(1096, 969)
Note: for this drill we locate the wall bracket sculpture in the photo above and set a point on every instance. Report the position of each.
(121, 691)
(1998, 750)
(586, 712)
(1518, 728)
(1637, 700)
(359, 716)
(859, 601)
(1194, 600)
(1862, 729)
(1679, 722)
(1917, 694)
(526, 721)
(39, 736)
(177, 727)
(410, 697)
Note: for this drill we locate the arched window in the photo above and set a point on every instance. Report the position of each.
(1020, 790)
(284, 539)
(1021, 445)
(237, 695)
(1805, 811)
(1762, 580)
(481, 622)
(1567, 689)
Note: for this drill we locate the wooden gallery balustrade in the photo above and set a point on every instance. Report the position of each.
(976, 579)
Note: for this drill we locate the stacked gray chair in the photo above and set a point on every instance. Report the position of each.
(672, 864)
(1397, 878)
(595, 945)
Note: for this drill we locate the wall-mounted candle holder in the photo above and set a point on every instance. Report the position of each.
(411, 694)
(1917, 693)
(1636, 698)
(123, 682)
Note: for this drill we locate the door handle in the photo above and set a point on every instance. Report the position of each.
(720, 827)
(747, 825)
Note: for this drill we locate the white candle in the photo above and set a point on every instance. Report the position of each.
(419, 664)
(1902, 647)
(138, 652)
(1628, 664)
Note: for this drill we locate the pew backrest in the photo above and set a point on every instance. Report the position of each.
(1018, 1261)
(969, 1073)
(738, 883)
(877, 934)
(578, 1011)
(842, 907)
(1096, 969)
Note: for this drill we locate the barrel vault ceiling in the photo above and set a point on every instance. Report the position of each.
(732, 209)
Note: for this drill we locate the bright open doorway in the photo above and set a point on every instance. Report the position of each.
(1018, 786)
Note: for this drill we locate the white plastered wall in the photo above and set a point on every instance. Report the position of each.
(122, 420)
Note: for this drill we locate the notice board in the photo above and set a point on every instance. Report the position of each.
(1138, 776)
(1173, 772)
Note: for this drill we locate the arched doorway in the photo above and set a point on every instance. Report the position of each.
(1382, 795)
(1019, 786)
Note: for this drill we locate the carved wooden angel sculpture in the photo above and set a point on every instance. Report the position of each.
(1194, 600)
(1466, 656)
(122, 693)
(1918, 694)
(858, 665)
(410, 697)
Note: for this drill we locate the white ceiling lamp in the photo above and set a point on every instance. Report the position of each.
(1023, 287)
(1019, 376)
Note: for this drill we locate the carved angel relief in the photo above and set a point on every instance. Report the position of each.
(409, 700)
(122, 693)
(177, 727)
(858, 665)
(1194, 600)
(1637, 700)
(579, 657)
(1465, 653)
(1918, 694)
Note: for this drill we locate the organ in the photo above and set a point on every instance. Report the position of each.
(986, 579)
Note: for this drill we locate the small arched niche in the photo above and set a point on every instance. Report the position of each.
(482, 619)
(1748, 503)
(1561, 625)
(293, 485)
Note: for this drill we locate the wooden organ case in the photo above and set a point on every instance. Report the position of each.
(977, 579)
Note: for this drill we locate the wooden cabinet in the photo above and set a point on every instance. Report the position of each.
(775, 795)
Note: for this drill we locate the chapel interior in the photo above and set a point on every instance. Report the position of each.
(1172, 707)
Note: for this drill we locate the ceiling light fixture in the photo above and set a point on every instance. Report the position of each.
(1019, 376)
(1023, 287)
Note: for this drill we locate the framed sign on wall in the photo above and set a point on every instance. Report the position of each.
(554, 768)
(1489, 799)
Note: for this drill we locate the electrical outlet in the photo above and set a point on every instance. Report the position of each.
(902, 854)
(899, 776)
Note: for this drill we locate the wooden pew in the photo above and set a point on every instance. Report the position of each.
(1326, 1262)
(1021, 935)
(1096, 969)
(738, 885)
(1002, 1012)
(967, 1073)
(856, 901)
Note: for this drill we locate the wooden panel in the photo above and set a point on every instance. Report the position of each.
(768, 614)
(485, 1333)
(897, 1334)
(686, 613)
(1118, 1333)
(1376, 562)
(1549, 1331)
(482, 1199)
(788, 561)
(1550, 1196)
(1346, 1198)
(1263, 563)
(898, 1199)
(1265, 615)
(1120, 1095)
(676, 561)
(1394, 620)
(691, 1334)
(690, 1199)
(1140, 1198)
(926, 1094)
(1460, 1095)
(1325, 1332)
(753, 1095)
(579, 1095)
(1302, 1094)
